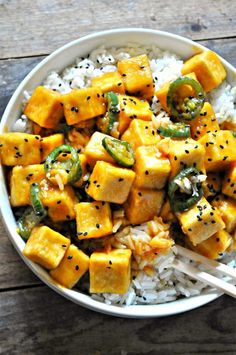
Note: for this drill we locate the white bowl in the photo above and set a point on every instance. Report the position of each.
(58, 60)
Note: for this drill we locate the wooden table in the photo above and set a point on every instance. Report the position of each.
(34, 319)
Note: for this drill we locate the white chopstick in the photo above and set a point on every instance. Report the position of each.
(204, 276)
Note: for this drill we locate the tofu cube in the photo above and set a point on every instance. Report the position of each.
(137, 76)
(111, 81)
(139, 133)
(212, 185)
(110, 272)
(201, 221)
(44, 107)
(59, 203)
(21, 179)
(151, 168)
(229, 182)
(72, 267)
(227, 209)
(183, 154)
(93, 219)
(185, 91)
(20, 149)
(205, 122)
(94, 150)
(51, 142)
(143, 204)
(130, 108)
(46, 247)
(110, 183)
(208, 69)
(215, 246)
(83, 104)
(220, 149)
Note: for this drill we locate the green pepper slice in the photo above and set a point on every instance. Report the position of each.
(190, 107)
(72, 166)
(36, 202)
(177, 130)
(120, 151)
(180, 201)
(233, 133)
(105, 124)
(27, 222)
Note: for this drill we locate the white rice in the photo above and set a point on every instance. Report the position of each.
(165, 284)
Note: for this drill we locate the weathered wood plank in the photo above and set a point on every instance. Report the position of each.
(13, 272)
(38, 321)
(38, 27)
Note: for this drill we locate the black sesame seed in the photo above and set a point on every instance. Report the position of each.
(121, 179)
(110, 262)
(88, 97)
(77, 267)
(225, 157)
(221, 146)
(213, 222)
(217, 239)
(85, 233)
(58, 202)
(63, 246)
(98, 225)
(97, 207)
(103, 203)
(123, 74)
(146, 172)
(69, 257)
(26, 140)
(209, 159)
(140, 193)
(186, 151)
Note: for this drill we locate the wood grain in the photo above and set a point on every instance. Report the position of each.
(38, 321)
(38, 27)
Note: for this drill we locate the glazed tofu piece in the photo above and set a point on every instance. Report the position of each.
(111, 81)
(59, 203)
(227, 209)
(21, 179)
(93, 219)
(51, 142)
(137, 76)
(215, 246)
(183, 154)
(185, 91)
(139, 133)
(212, 185)
(110, 271)
(208, 69)
(20, 149)
(151, 168)
(201, 221)
(220, 149)
(110, 183)
(205, 122)
(72, 267)
(95, 150)
(83, 104)
(130, 108)
(46, 247)
(143, 204)
(44, 107)
(229, 182)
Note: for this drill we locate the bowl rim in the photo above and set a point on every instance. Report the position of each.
(132, 311)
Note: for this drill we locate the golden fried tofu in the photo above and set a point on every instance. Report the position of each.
(20, 149)
(72, 267)
(151, 168)
(205, 122)
(137, 76)
(95, 150)
(46, 247)
(110, 183)
(139, 133)
(111, 81)
(227, 209)
(44, 107)
(110, 271)
(229, 182)
(21, 179)
(93, 219)
(143, 204)
(83, 104)
(201, 221)
(208, 68)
